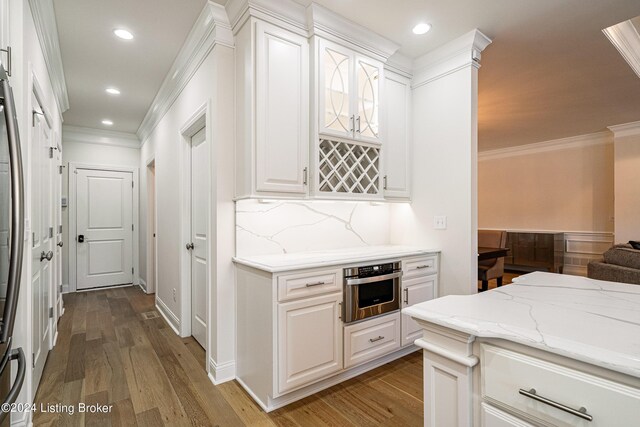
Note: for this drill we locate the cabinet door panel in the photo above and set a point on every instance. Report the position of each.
(335, 86)
(397, 160)
(368, 74)
(309, 341)
(415, 291)
(282, 110)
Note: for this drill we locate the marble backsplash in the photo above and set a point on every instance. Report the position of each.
(281, 226)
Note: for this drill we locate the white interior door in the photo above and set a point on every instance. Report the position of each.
(199, 235)
(104, 228)
(42, 227)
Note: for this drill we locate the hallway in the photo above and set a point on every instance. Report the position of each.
(114, 349)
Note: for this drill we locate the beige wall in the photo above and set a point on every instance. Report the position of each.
(627, 192)
(566, 190)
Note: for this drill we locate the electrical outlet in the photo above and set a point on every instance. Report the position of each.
(440, 222)
(174, 294)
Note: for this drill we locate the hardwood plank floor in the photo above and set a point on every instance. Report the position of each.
(111, 352)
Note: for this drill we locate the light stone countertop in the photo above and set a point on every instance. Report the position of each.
(304, 260)
(593, 321)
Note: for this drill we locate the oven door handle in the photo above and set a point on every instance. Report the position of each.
(363, 281)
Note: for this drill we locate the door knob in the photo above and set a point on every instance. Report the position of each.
(46, 255)
(190, 246)
(80, 238)
(60, 243)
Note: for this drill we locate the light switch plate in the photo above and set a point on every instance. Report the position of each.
(440, 222)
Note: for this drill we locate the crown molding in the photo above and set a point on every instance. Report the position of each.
(337, 28)
(455, 55)
(44, 19)
(99, 136)
(624, 36)
(626, 129)
(210, 29)
(400, 64)
(285, 13)
(580, 141)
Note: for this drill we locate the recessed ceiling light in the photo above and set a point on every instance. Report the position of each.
(421, 28)
(123, 34)
(112, 91)
(107, 122)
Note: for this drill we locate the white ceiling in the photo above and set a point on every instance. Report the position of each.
(549, 73)
(94, 59)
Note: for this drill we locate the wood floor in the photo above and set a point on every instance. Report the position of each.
(114, 349)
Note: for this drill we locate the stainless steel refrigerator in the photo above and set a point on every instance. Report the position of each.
(11, 246)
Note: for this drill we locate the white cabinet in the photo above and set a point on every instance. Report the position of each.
(414, 291)
(371, 339)
(396, 151)
(309, 340)
(273, 111)
(493, 417)
(350, 89)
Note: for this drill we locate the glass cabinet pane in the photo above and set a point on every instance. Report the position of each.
(336, 86)
(368, 93)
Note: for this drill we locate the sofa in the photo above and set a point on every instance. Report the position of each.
(621, 263)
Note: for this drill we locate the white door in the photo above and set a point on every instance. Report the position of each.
(282, 113)
(199, 235)
(104, 228)
(417, 290)
(397, 141)
(42, 228)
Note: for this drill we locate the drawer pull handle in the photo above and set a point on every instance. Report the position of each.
(380, 337)
(308, 285)
(406, 296)
(582, 412)
(421, 266)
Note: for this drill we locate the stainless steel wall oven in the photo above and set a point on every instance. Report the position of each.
(371, 290)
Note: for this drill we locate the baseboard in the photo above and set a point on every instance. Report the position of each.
(143, 285)
(23, 421)
(223, 372)
(168, 315)
(55, 339)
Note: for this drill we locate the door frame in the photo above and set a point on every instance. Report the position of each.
(152, 244)
(201, 118)
(73, 170)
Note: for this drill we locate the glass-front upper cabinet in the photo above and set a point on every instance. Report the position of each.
(349, 95)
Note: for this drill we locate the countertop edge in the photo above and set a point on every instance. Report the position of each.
(332, 262)
(456, 326)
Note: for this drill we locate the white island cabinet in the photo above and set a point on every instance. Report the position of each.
(549, 350)
(291, 338)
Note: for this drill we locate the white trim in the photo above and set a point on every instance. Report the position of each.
(66, 288)
(171, 319)
(400, 64)
(73, 167)
(332, 26)
(152, 230)
(222, 373)
(102, 288)
(284, 13)
(44, 19)
(99, 136)
(211, 28)
(23, 421)
(580, 141)
(625, 129)
(625, 37)
(143, 285)
(456, 55)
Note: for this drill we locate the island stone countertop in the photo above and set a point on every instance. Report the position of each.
(593, 321)
(298, 261)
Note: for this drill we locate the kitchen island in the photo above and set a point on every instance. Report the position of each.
(549, 349)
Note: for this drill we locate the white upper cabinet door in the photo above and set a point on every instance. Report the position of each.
(282, 110)
(368, 76)
(336, 107)
(397, 142)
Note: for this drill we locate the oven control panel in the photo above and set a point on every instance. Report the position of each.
(373, 270)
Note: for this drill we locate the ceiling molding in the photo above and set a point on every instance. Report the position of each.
(44, 19)
(210, 29)
(580, 141)
(626, 129)
(339, 29)
(400, 64)
(624, 36)
(99, 136)
(455, 55)
(286, 13)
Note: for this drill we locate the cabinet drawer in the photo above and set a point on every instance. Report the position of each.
(422, 266)
(505, 373)
(301, 285)
(493, 417)
(370, 339)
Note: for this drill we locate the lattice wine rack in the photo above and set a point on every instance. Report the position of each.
(348, 168)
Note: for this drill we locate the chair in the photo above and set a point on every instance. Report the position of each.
(491, 268)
